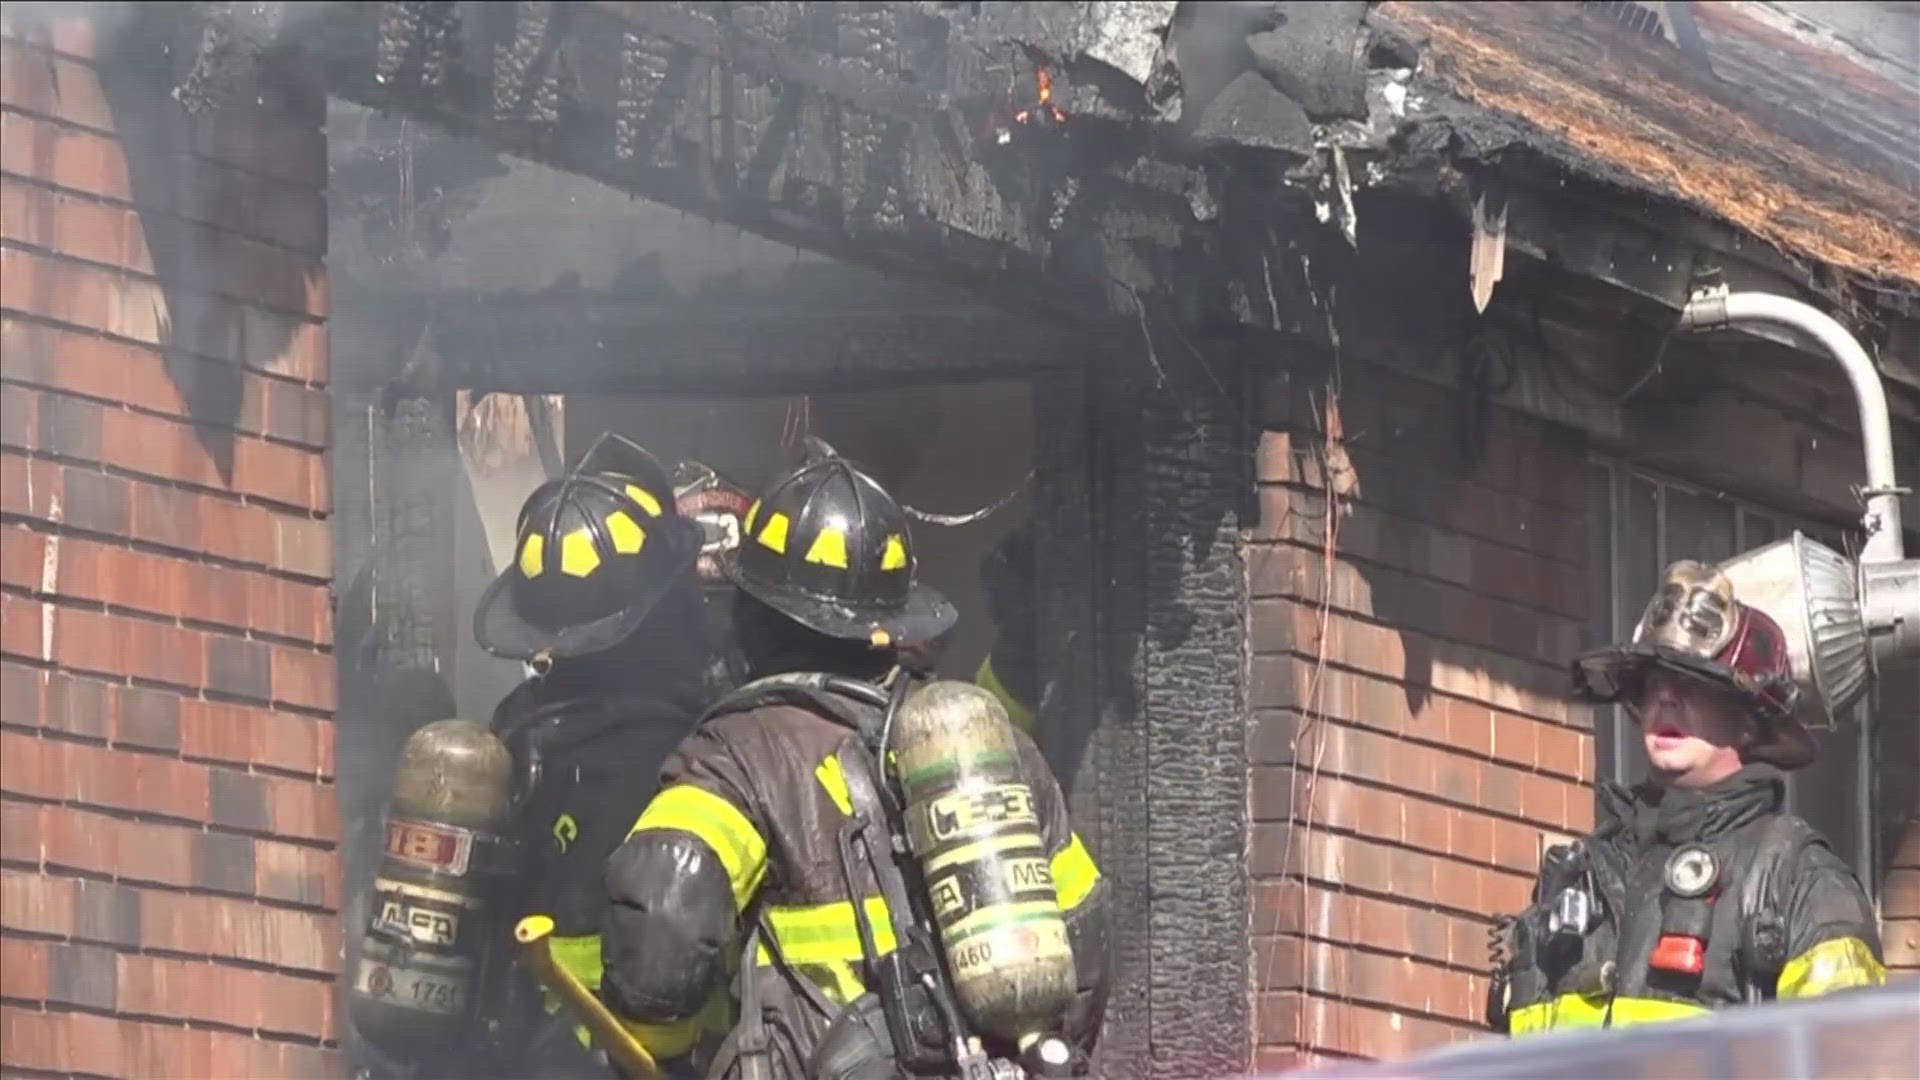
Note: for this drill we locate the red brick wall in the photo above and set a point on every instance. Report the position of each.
(1445, 748)
(167, 817)
(1897, 814)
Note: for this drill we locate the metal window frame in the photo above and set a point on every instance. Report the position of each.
(1616, 472)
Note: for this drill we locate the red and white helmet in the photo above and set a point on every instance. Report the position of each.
(1694, 626)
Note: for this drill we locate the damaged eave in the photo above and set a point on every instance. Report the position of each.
(1640, 113)
(879, 134)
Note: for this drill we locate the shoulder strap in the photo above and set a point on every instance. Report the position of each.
(855, 703)
(862, 793)
(753, 1041)
(763, 936)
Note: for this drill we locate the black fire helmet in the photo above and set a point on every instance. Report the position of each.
(594, 551)
(827, 547)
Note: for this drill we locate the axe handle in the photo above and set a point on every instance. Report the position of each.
(607, 1030)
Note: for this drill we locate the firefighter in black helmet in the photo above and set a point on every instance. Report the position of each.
(734, 865)
(601, 600)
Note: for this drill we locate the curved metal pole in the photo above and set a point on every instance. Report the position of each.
(1716, 308)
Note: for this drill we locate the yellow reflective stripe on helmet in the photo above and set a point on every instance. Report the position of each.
(1839, 964)
(577, 557)
(829, 548)
(1074, 874)
(826, 933)
(1573, 1012)
(774, 536)
(627, 535)
(742, 850)
(533, 553)
(1017, 710)
(645, 501)
(894, 555)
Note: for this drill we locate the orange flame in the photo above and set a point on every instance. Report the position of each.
(1044, 108)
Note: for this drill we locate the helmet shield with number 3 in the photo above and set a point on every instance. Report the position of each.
(1695, 627)
(827, 547)
(594, 551)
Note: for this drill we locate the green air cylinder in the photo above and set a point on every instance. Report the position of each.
(973, 826)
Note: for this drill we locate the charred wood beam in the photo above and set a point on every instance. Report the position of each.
(540, 344)
(874, 133)
(769, 58)
(842, 156)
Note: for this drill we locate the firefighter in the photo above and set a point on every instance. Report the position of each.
(733, 867)
(602, 601)
(1697, 890)
(1010, 671)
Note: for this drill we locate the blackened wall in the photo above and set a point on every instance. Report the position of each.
(168, 827)
(1172, 491)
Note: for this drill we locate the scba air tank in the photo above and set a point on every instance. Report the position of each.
(414, 987)
(973, 826)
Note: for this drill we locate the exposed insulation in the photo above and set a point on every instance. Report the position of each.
(1638, 110)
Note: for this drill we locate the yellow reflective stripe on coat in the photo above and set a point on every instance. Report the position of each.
(1839, 964)
(742, 850)
(1017, 712)
(1573, 1012)
(825, 933)
(822, 942)
(579, 956)
(1074, 874)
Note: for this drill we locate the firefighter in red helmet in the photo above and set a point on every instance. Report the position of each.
(1697, 889)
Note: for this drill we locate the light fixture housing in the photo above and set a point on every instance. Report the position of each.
(1813, 592)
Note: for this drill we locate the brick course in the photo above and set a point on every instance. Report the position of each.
(1897, 815)
(1410, 744)
(168, 827)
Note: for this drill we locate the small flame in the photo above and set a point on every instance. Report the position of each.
(1042, 110)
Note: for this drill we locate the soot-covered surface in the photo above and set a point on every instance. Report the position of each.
(1795, 144)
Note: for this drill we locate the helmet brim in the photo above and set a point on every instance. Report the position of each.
(500, 628)
(1605, 676)
(925, 614)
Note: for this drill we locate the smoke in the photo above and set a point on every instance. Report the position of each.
(1209, 45)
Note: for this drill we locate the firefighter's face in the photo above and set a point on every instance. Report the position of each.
(1693, 732)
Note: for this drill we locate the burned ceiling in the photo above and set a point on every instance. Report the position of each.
(1106, 155)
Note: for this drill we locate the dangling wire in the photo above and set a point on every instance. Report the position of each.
(971, 516)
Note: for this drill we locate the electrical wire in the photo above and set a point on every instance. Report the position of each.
(1311, 716)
